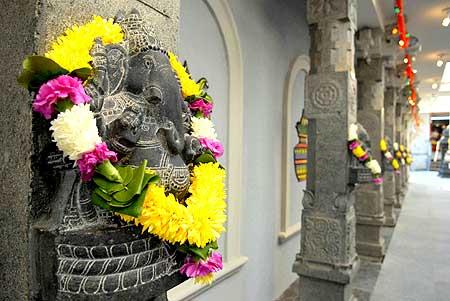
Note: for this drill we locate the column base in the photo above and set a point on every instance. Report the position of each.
(369, 241)
(320, 282)
(389, 216)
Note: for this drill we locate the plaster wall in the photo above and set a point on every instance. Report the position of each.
(272, 34)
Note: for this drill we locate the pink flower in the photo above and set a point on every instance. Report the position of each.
(202, 106)
(353, 144)
(377, 180)
(62, 87)
(91, 159)
(192, 268)
(213, 145)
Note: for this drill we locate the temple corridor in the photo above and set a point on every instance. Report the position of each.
(416, 263)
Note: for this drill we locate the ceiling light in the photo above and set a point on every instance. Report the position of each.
(394, 30)
(401, 43)
(440, 60)
(446, 20)
(434, 86)
(413, 58)
(414, 71)
(405, 60)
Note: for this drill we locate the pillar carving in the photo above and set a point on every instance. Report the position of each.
(369, 203)
(399, 189)
(327, 261)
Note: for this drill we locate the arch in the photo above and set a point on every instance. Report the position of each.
(233, 260)
(301, 63)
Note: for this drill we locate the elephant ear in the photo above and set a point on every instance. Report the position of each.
(117, 68)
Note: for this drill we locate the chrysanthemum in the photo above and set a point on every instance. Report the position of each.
(75, 131)
(188, 86)
(203, 128)
(71, 50)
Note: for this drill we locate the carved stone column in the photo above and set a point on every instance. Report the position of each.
(28, 193)
(390, 100)
(327, 261)
(369, 203)
(399, 190)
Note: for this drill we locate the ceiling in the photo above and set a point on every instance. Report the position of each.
(424, 21)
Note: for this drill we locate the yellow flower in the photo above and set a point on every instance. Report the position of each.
(383, 145)
(71, 50)
(358, 151)
(188, 86)
(395, 164)
(200, 222)
(207, 279)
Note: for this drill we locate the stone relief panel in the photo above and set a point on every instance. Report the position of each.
(318, 10)
(322, 240)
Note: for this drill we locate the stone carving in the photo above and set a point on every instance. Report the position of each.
(141, 115)
(308, 199)
(325, 95)
(444, 170)
(323, 239)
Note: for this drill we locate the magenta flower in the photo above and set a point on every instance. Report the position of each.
(213, 145)
(91, 159)
(192, 268)
(62, 87)
(377, 180)
(202, 106)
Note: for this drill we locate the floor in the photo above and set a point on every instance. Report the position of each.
(417, 262)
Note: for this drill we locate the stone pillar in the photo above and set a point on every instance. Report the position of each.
(27, 187)
(327, 261)
(399, 190)
(369, 203)
(390, 99)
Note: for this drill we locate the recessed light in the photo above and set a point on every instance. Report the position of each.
(446, 20)
(434, 86)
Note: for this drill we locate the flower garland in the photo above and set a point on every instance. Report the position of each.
(358, 150)
(388, 155)
(134, 193)
(399, 149)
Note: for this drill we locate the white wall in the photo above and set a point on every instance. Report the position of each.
(272, 34)
(420, 144)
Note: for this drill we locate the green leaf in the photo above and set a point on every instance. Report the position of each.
(136, 206)
(107, 185)
(199, 253)
(206, 157)
(135, 186)
(99, 201)
(150, 178)
(108, 170)
(126, 172)
(37, 70)
(82, 73)
(64, 104)
(103, 195)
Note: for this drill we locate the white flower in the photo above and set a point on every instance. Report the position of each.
(374, 166)
(396, 146)
(388, 155)
(353, 132)
(75, 131)
(203, 128)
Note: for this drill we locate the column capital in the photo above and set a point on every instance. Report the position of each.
(331, 10)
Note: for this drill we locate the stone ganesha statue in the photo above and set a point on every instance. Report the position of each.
(84, 252)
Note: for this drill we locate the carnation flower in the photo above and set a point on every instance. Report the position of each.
(202, 269)
(60, 88)
(91, 159)
(203, 128)
(75, 131)
(213, 145)
(201, 106)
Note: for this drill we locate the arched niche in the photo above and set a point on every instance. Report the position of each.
(293, 103)
(218, 15)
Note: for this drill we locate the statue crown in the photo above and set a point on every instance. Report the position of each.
(140, 37)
